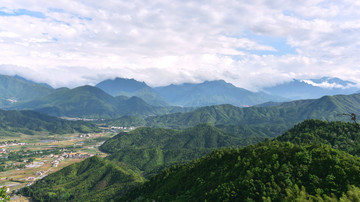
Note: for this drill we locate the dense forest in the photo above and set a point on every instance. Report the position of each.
(340, 135)
(94, 179)
(267, 171)
(152, 149)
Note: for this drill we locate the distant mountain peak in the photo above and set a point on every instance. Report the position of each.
(31, 81)
(313, 88)
(329, 82)
(132, 87)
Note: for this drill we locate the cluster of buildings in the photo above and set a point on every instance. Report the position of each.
(85, 135)
(41, 172)
(78, 119)
(10, 143)
(122, 128)
(64, 155)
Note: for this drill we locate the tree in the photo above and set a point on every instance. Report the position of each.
(3, 195)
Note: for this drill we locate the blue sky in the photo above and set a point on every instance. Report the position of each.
(252, 44)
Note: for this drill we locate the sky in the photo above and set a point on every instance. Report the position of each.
(251, 44)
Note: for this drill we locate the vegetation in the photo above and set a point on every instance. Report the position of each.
(94, 179)
(267, 171)
(340, 135)
(3, 195)
(151, 149)
(29, 122)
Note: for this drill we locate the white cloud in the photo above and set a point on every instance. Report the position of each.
(162, 42)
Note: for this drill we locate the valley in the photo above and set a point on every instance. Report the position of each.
(29, 158)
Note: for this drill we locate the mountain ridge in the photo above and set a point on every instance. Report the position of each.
(213, 93)
(131, 87)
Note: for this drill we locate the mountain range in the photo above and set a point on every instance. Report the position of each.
(197, 154)
(312, 88)
(109, 99)
(91, 102)
(213, 93)
(271, 120)
(131, 87)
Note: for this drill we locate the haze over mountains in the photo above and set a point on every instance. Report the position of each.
(213, 93)
(118, 97)
(312, 88)
(17, 89)
(190, 121)
(131, 87)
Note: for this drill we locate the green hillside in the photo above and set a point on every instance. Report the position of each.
(94, 179)
(152, 149)
(15, 89)
(268, 171)
(29, 122)
(340, 135)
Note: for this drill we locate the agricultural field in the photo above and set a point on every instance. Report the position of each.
(25, 159)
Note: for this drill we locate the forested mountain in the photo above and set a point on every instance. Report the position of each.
(152, 149)
(16, 89)
(91, 102)
(213, 93)
(131, 87)
(28, 122)
(340, 135)
(312, 88)
(276, 118)
(268, 171)
(94, 179)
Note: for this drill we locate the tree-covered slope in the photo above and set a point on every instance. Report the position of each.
(29, 122)
(340, 135)
(267, 171)
(15, 89)
(212, 93)
(152, 149)
(94, 179)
